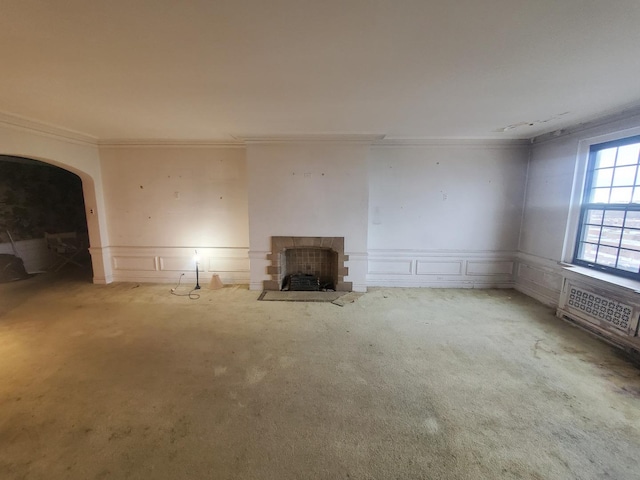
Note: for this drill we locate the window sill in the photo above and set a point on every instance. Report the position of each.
(607, 278)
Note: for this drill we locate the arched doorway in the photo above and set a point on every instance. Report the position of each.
(78, 154)
(42, 215)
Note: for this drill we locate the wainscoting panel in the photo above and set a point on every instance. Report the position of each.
(391, 267)
(177, 264)
(424, 267)
(539, 278)
(493, 267)
(167, 264)
(135, 263)
(447, 269)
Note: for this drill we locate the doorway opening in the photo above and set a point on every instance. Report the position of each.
(42, 217)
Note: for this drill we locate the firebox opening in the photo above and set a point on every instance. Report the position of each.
(309, 269)
(322, 257)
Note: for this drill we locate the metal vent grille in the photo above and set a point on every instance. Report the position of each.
(615, 313)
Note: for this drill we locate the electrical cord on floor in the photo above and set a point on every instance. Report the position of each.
(191, 295)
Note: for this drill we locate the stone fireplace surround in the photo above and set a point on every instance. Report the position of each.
(280, 245)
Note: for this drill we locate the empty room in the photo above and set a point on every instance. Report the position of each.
(356, 239)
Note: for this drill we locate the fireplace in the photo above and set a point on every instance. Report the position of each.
(307, 263)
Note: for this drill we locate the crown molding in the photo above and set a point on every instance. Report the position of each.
(241, 141)
(33, 126)
(353, 138)
(150, 143)
(366, 139)
(625, 114)
(453, 142)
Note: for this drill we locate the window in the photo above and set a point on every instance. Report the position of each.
(609, 229)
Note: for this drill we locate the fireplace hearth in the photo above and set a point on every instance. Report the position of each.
(307, 263)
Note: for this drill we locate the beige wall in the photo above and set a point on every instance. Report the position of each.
(445, 214)
(165, 202)
(308, 189)
(447, 197)
(176, 197)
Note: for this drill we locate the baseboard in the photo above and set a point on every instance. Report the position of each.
(103, 280)
(359, 287)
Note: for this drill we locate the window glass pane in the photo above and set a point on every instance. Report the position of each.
(631, 239)
(603, 178)
(607, 256)
(588, 252)
(632, 219)
(629, 261)
(624, 176)
(606, 158)
(614, 218)
(591, 234)
(600, 195)
(610, 236)
(628, 155)
(594, 216)
(621, 195)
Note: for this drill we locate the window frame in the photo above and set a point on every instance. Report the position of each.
(586, 205)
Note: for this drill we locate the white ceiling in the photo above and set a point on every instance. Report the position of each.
(209, 70)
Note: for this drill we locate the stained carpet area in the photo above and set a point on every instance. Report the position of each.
(127, 381)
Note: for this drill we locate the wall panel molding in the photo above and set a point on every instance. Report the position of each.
(391, 266)
(489, 267)
(135, 263)
(440, 268)
(167, 264)
(539, 278)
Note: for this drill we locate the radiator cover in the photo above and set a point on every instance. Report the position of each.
(614, 313)
(608, 310)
